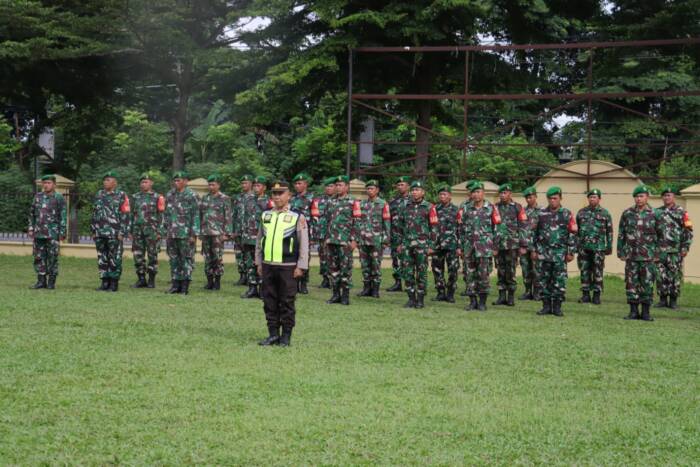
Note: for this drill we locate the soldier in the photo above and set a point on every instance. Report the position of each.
(396, 206)
(181, 226)
(555, 242)
(470, 184)
(318, 227)
(528, 265)
(216, 226)
(281, 256)
(252, 207)
(638, 241)
(677, 237)
(512, 240)
(445, 254)
(374, 228)
(146, 227)
(418, 229)
(47, 228)
(595, 236)
(246, 188)
(110, 224)
(301, 203)
(341, 238)
(477, 232)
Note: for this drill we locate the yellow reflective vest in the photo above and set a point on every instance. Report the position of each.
(279, 241)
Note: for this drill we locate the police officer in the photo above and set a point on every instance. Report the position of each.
(47, 228)
(301, 203)
(282, 256)
(146, 226)
(528, 265)
(595, 236)
(216, 227)
(373, 230)
(396, 206)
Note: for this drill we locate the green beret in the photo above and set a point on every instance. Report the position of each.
(505, 187)
(417, 184)
(214, 178)
(403, 178)
(329, 181)
(555, 190)
(247, 178)
(641, 189)
(260, 179)
(444, 187)
(531, 190)
(476, 185)
(595, 191)
(109, 173)
(280, 186)
(180, 174)
(371, 183)
(342, 178)
(145, 176)
(301, 176)
(668, 189)
(48, 177)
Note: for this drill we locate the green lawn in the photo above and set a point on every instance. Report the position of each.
(140, 377)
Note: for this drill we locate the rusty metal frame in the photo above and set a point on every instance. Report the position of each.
(588, 97)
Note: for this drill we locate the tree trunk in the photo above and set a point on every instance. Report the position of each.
(180, 121)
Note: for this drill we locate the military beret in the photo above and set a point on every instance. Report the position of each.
(145, 176)
(595, 191)
(329, 181)
(404, 179)
(444, 187)
(476, 185)
(260, 179)
(109, 173)
(180, 174)
(553, 191)
(214, 178)
(531, 190)
(280, 185)
(371, 183)
(301, 176)
(668, 189)
(417, 184)
(641, 189)
(505, 187)
(247, 178)
(342, 178)
(48, 177)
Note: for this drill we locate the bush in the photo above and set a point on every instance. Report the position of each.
(16, 193)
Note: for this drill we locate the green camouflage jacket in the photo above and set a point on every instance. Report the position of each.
(595, 229)
(447, 227)
(396, 207)
(639, 234)
(301, 204)
(111, 214)
(555, 234)
(677, 229)
(341, 219)
(47, 216)
(147, 212)
(532, 213)
(251, 209)
(477, 229)
(513, 228)
(374, 224)
(216, 215)
(318, 217)
(418, 225)
(236, 214)
(181, 218)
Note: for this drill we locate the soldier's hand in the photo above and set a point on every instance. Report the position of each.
(399, 249)
(62, 239)
(608, 252)
(297, 273)
(120, 237)
(353, 244)
(30, 233)
(459, 252)
(684, 254)
(523, 251)
(533, 256)
(431, 251)
(569, 258)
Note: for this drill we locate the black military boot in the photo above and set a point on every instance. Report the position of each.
(672, 301)
(151, 280)
(440, 297)
(536, 295)
(242, 280)
(252, 292)
(273, 338)
(482, 302)
(527, 295)
(366, 290)
(345, 296)
(375, 290)
(325, 283)
(113, 285)
(556, 308)
(546, 307)
(450, 295)
(634, 311)
(510, 301)
(185, 287)
(473, 303)
(396, 287)
(420, 300)
(217, 283)
(646, 316)
(210, 283)
(286, 338)
(663, 302)
(303, 288)
(585, 297)
(41, 282)
(174, 287)
(411, 303)
(140, 282)
(501, 298)
(335, 298)
(104, 285)
(51, 283)
(596, 298)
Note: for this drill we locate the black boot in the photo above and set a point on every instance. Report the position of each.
(556, 308)
(140, 282)
(345, 296)
(546, 307)
(375, 290)
(252, 292)
(41, 282)
(335, 298)
(501, 298)
(113, 285)
(536, 295)
(242, 280)
(151, 280)
(286, 338)
(411, 303)
(473, 304)
(646, 316)
(450, 295)
(440, 297)
(482, 302)
(303, 288)
(51, 283)
(185, 287)
(366, 291)
(217, 283)
(634, 311)
(510, 301)
(273, 338)
(104, 285)
(527, 295)
(175, 286)
(672, 301)
(596, 298)
(585, 297)
(396, 287)
(420, 300)
(210, 283)
(663, 302)
(325, 284)
(464, 294)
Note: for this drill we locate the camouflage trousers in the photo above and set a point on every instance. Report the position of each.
(45, 252)
(145, 247)
(506, 260)
(396, 262)
(239, 259)
(553, 279)
(340, 265)
(371, 262)
(248, 264)
(415, 268)
(213, 252)
(109, 257)
(639, 281)
(181, 254)
(477, 270)
(670, 274)
(445, 260)
(531, 272)
(591, 264)
(323, 258)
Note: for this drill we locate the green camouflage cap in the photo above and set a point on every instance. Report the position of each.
(505, 187)
(372, 183)
(553, 191)
(247, 178)
(214, 178)
(668, 189)
(417, 184)
(594, 191)
(48, 177)
(531, 190)
(109, 173)
(329, 181)
(444, 187)
(404, 179)
(301, 176)
(342, 178)
(641, 189)
(475, 185)
(260, 179)
(180, 174)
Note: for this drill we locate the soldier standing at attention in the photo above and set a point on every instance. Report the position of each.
(109, 226)
(281, 256)
(47, 228)
(181, 229)
(463, 208)
(216, 226)
(318, 227)
(418, 228)
(341, 238)
(529, 266)
(477, 231)
(595, 237)
(555, 240)
(146, 226)
(396, 206)
(513, 237)
(237, 201)
(252, 206)
(677, 237)
(301, 203)
(445, 254)
(374, 228)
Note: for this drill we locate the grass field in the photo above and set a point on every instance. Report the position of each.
(140, 377)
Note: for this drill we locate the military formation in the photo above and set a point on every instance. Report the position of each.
(419, 235)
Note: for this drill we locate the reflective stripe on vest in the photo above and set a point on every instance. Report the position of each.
(278, 227)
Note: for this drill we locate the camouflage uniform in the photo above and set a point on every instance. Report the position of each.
(236, 206)
(146, 227)
(47, 224)
(110, 224)
(417, 224)
(676, 240)
(216, 224)
(301, 204)
(341, 216)
(530, 267)
(555, 237)
(180, 227)
(374, 230)
(513, 235)
(445, 254)
(396, 207)
(250, 215)
(595, 237)
(318, 232)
